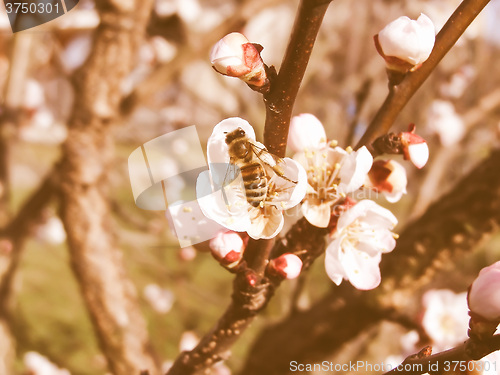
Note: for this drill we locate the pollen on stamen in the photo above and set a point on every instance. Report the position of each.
(283, 205)
(261, 204)
(324, 154)
(348, 149)
(187, 209)
(334, 143)
(395, 236)
(342, 195)
(337, 166)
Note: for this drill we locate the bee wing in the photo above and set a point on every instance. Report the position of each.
(272, 161)
(232, 185)
(232, 173)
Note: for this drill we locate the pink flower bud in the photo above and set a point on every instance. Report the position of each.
(415, 147)
(306, 132)
(287, 266)
(389, 178)
(406, 42)
(235, 56)
(227, 248)
(484, 294)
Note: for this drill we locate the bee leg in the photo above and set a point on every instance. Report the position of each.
(280, 172)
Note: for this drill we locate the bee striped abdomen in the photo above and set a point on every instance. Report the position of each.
(255, 181)
(243, 154)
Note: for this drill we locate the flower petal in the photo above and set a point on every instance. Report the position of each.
(265, 223)
(290, 194)
(317, 214)
(333, 267)
(362, 270)
(354, 170)
(214, 206)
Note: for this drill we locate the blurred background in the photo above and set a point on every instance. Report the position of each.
(184, 291)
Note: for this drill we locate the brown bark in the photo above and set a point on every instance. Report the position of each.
(457, 223)
(109, 295)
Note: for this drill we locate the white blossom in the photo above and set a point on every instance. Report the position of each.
(332, 172)
(37, 364)
(188, 341)
(363, 234)
(226, 203)
(161, 300)
(445, 122)
(445, 318)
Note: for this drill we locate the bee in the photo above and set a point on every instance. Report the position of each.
(256, 165)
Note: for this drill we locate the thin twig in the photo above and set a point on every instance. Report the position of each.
(451, 360)
(400, 95)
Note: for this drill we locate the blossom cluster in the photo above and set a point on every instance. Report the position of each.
(321, 176)
(246, 189)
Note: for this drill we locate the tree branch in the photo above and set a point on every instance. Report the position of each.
(449, 360)
(97, 262)
(284, 88)
(400, 95)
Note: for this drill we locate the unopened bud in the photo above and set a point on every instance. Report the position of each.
(405, 43)
(484, 294)
(235, 56)
(287, 266)
(227, 248)
(415, 147)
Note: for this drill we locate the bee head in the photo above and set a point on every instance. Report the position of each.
(235, 134)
